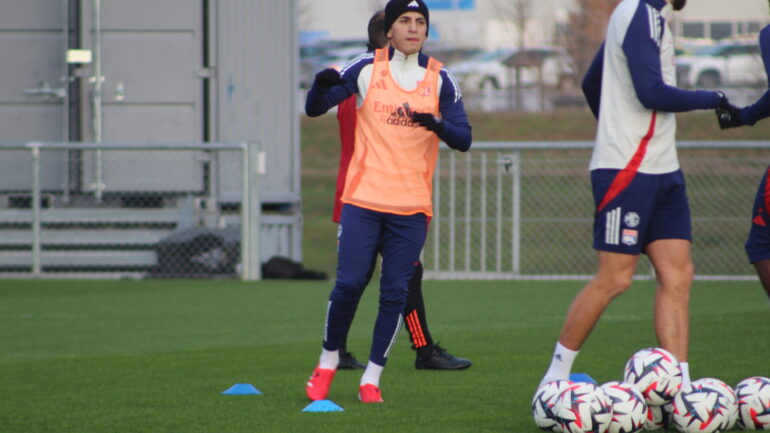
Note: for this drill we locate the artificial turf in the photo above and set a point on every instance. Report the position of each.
(156, 355)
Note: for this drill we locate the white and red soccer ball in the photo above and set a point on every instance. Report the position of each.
(629, 411)
(730, 399)
(753, 396)
(700, 409)
(583, 408)
(658, 417)
(656, 373)
(544, 402)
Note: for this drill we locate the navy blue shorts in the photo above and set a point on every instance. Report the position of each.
(650, 207)
(758, 243)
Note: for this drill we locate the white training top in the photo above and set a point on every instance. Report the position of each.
(626, 128)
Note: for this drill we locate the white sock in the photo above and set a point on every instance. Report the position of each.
(561, 364)
(372, 374)
(329, 359)
(685, 366)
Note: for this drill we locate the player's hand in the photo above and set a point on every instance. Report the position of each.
(728, 115)
(328, 78)
(429, 122)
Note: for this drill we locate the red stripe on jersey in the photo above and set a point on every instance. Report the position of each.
(625, 176)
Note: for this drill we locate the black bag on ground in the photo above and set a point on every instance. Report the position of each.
(198, 252)
(286, 268)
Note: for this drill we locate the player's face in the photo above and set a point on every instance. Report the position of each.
(408, 33)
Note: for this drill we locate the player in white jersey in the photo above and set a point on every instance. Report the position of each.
(639, 191)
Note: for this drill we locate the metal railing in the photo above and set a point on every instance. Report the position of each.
(83, 214)
(508, 210)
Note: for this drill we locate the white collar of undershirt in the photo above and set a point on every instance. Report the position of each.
(401, 61)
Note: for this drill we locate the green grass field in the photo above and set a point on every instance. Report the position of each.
(154, 356)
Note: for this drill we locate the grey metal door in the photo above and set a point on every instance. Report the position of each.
(32, 93)
(152, 91)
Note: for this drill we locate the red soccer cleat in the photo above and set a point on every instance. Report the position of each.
(319, 383)
(369, 394)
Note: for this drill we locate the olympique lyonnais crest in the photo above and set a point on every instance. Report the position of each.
(630, 237)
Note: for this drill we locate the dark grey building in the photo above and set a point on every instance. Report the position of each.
(171, 71)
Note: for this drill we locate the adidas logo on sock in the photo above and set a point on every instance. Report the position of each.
(413, 4)
(558, 357)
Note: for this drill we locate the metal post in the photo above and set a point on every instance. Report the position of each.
(483, 206)
(452, 209)
(65, 79)
(36, 224)
(436, 221)
(499, 215)
(251, 209)
(468, 214)
(97, 96)
(516, 230)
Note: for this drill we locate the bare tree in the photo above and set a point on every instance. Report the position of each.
(522, 12)
(586, 30)
(517, 12)
(305, 11)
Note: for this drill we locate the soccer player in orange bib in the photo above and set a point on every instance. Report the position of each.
(430, 355)
(406, 102)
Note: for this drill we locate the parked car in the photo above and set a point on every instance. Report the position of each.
(325, 53)
(725, 64)
(497, 69)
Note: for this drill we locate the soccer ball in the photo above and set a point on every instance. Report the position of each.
(731, 401)
(753, 403)
(658, 417)
(583, 408)
(543, 404)
(655, 372)
(629, 411)
(700, 409)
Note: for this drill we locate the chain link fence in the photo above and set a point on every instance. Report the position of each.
(131, 209)
(525, 210)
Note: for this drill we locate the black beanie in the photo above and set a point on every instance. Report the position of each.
(396, 8)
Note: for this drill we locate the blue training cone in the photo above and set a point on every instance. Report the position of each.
(582, 377)
(242, 389)
(323, 406)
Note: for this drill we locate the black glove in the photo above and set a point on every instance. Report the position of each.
(728, 115)
(429, 122)
(328, 78)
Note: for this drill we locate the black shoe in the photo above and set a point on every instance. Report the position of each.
(437, 358)
(349, 362)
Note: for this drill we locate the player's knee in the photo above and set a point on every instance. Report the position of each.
(352, 281)
(392, 305)
(620, 285)
(393, 301)
(614, 285)
(677, 279)
(346, 291)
